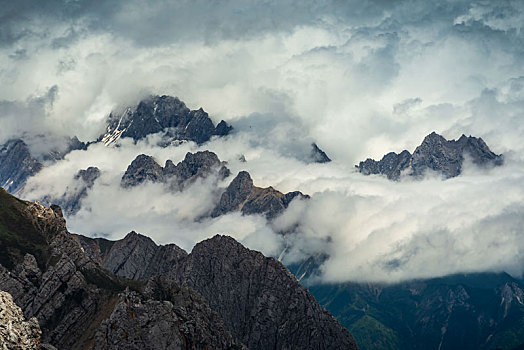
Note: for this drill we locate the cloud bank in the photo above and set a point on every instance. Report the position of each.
(360, 78)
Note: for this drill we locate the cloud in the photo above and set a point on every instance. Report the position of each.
(360, 78)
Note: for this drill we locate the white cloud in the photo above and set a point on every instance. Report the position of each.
(359, 78)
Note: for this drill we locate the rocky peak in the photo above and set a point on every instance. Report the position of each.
(261, 303)
(162, 114)
(435, 153)
(80, 305)
(317, 155)
(195, 165)
(242, 195)
(142, 168)
(199, 164)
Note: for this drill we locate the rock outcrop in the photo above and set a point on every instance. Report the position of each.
(15, 331)
(194, 165)
(16, 165)
(162, 114)
(241, 194)
(434, 154)
(260, 302)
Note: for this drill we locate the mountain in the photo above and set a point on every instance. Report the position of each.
(476, 311)
(195, 165)
(62, 280)
(240, 195)
(260, 302)
(434, 154)
(162, 114)
(317, 155)
(243, 195)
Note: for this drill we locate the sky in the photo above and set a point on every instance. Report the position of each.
(359, 78)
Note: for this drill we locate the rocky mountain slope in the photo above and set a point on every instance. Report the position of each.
(434, 154)
(66, 282)
(78, 304)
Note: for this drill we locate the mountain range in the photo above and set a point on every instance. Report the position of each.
(221, 294)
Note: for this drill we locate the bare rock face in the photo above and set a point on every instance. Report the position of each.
(15, 332)
(259, 300)
(434, 154)
(195, 165)
(162, 114)
(16, 165)
(242, 195)
(261, 303)
(143, 168)
(163, 316)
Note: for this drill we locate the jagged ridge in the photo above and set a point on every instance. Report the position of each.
(434, 154)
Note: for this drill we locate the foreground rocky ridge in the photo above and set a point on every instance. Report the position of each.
(260, 302)
(78, 303)
(60, 279)
(434, 154)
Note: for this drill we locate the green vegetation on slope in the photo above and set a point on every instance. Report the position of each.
(18, 235)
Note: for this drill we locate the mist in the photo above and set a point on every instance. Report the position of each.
(360, 79)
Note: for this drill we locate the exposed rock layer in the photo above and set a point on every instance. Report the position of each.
(15, 331)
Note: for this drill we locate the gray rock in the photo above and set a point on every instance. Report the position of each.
(15, 331)
(260, 302)
(16, 165)
(162, 114)
(195, 165)
(242, 195)
(434, 154)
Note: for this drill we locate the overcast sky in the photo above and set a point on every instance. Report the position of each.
(361, 78)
